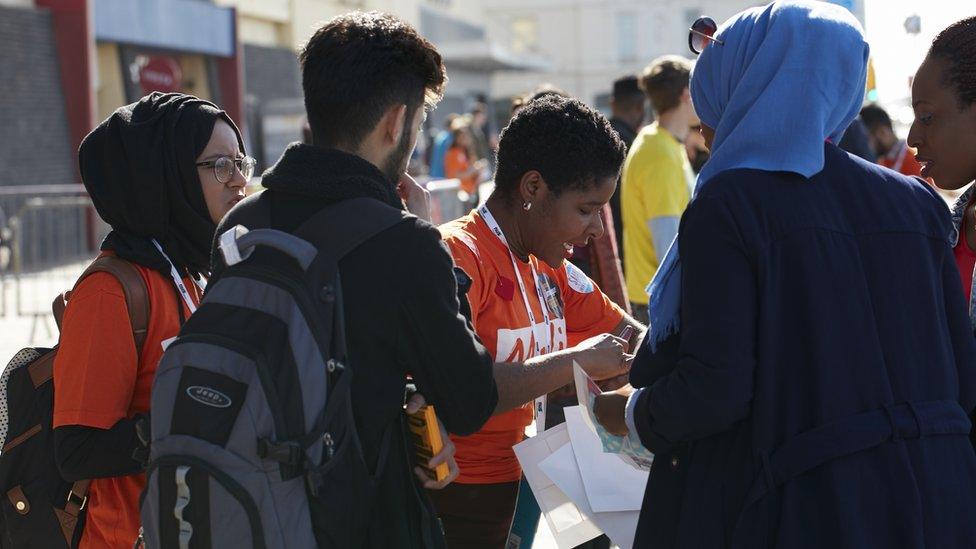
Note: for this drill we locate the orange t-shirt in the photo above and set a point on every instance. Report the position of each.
(456, 162)
(99, 379)
(902, 160)
(577, 310)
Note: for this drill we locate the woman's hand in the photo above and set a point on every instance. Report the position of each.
(610, 410)
(603, 356)
(614, 383)
(415, 197)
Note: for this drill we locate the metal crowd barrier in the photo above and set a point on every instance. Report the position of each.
(48, 234)
(445, 200)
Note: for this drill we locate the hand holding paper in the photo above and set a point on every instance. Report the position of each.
(610, 409)
(628, 447)
(603, 356)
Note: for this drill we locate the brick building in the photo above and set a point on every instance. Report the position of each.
(67, 64)
(35, 143)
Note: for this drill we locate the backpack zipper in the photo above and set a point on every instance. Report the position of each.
(329, 445)
(228, 483)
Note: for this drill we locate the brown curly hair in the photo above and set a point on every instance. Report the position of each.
(664, 80)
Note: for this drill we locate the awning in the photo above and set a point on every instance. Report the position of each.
(485, 56)
(180, 25)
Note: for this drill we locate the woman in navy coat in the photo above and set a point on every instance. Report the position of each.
(815, 389)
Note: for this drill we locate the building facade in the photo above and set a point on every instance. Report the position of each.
(590, 43)
(274, 31)
(105, 53)
(35, 144)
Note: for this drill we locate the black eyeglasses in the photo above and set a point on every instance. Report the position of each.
(702, 32)
(223, 167)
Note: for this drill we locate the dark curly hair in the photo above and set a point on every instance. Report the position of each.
(568, 143)
(957, 45)
(357, 66)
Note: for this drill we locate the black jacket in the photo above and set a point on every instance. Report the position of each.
(627, 135)
(402, 318)
(818, 391)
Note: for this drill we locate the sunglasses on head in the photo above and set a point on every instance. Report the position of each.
(702, 32)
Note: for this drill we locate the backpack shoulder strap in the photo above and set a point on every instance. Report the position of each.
(337, 230)
(133, 286)
(77, 499)
(341, 227)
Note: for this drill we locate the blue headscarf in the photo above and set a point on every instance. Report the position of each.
(788, 76)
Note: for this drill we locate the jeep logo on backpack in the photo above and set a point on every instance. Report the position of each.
(208, 396)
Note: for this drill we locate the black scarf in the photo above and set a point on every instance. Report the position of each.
(139, 166)
(330, 174)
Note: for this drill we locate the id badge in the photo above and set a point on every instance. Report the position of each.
(540, 413)
(543, 336)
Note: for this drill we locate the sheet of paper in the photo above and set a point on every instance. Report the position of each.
(561, 468)
(629, 448)
(568, 525)
(611, 484)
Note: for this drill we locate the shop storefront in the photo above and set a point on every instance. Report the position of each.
(112, 52)
(166, 45)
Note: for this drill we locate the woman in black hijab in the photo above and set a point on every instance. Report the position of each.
(162, 172)
(139, 167)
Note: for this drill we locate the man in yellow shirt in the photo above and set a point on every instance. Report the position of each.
(657, 177)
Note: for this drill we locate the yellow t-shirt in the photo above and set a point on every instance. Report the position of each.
(656, 183)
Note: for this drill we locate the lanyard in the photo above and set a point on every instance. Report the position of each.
(493, 225)
(179, 281)
(541, 404)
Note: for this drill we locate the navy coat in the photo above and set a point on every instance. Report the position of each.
(819, 394)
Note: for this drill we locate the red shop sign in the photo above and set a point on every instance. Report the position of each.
(161, 74)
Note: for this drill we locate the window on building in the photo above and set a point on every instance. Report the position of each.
(525, 37)
(627, 45)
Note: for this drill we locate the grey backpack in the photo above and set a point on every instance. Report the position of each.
(253, 438)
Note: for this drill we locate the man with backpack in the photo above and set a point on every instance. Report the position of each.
(282, 401)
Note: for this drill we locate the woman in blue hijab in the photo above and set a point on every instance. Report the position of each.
(809, 372)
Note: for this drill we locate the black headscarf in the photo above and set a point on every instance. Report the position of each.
(139, 166)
